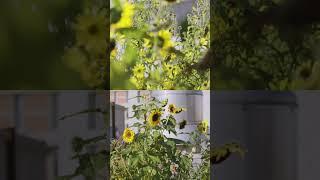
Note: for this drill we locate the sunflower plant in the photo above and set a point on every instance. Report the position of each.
(255, 51)
(153, 49)
(87, 52)
(148, 149)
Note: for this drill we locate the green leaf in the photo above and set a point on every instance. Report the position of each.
(77, 144)
(154, 159)
(136, 124)
(171, 143)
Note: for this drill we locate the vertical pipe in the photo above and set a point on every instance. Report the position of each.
(113, 106)
(17, 112)
(54, 111)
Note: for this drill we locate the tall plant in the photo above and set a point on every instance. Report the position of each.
(153, 49)
(256, 45)
(146, 151)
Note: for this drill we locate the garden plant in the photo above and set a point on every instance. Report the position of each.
(146, 151)
(262, 44)
(87, 52)
(150, 148)
(151, 50)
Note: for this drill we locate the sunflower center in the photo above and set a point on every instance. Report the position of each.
(128, 134)
(155, 117)
(171, 109)
(161, 41)
(93, 29)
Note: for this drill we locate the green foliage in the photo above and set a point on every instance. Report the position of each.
(33, 35)
(152, 153)
(152, 50)
(253, 52)
(91, 164)
(87, 54)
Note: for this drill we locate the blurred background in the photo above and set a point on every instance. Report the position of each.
(34, 144)
(33, 36)
(279, 130)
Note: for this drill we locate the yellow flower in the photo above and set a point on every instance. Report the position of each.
(147, 43)
(205, 85)
(172, 56)
(168, 67)
(154, 118)
(165, 38)
(126, 17)
(168, 84)
(171, 70)
(91, 33)
(113, 53)
(165, 41)
(203, 42)
(172, 108)
(138, 71)
(203, 126)
(128, 135)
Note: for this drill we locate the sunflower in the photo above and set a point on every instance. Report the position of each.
(165, 38)
(126, 17)
(165, 42)
(172, 108)
(203, 126)
(128, 135)
(154, 118)
(205, 85)
(138, 71)
(147, 43)
(203, 41)
(91, 33)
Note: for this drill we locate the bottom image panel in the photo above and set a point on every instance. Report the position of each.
(160, 135)
(53, 135)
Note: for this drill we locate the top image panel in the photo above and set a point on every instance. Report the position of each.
(53, 45)
(265, 45)
(159, 45)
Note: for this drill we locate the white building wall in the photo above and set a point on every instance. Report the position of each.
(279, 130)
(308, 135)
